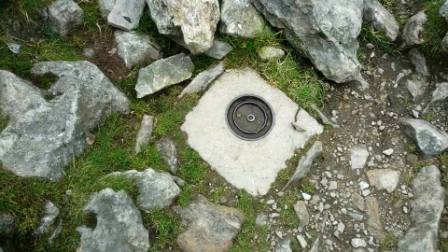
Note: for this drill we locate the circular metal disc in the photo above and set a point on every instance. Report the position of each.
(249, 117)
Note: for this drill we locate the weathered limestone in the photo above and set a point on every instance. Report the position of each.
(226, 153)
(324, 31)
(413, 30)
(144, 133)
(126, 14)
(168, 150)
(219, 49)
(358, 156)
(51, 213)
(267, 53)
(193, 21)
(426, 211)
(381, 19)
(119, 225)
(384, 179)
(429, 139)
(83, 98)
(163, 73)
(157, 190)
(210, 227)
(203, 80)
(240, 18)
(136, 49)
(64, 15)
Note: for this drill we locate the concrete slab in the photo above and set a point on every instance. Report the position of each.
(248, 165)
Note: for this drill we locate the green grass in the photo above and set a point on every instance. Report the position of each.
(378, 38)
(114, 142)
(298, 80)
(389, 243)
(435, 28)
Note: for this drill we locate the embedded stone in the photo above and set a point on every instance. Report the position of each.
(251, 165)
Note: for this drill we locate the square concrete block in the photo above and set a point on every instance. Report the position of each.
(248, 165)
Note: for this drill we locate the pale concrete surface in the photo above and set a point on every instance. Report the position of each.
(248, 165)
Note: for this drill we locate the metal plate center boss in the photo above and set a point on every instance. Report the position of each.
(249, 117)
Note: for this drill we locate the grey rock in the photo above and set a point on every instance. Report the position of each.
(203, 80)
(14, 47)
(88, 52)
(267, 53)
(325, 31)
(324, 119)
(374, 224)
(157, 190)
(416, 87)
(384, 179)
(429, 139)
(163, 73)
(168, 150)
(358, 156)
(64, 15)
(126, 14)
(7, 223)
(284, 245)
(302, 213)
(219, 49)
(51, 213)
(83, 98)
(445, 43)
(194, 22)
(106, 7)
(136, 49)
(305, 163)
(119, 226)
(419, 62)
(210, 227)
(358, 243)
(443, 11)
(240, 18)
(144, 133)
(426, 210)
(381, 19)
(439, 94)
(413, 30)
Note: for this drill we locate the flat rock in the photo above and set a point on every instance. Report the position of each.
(195, 22)
(440, 93)
(126, 14)
(119, 225)
(64, 15)
(210, 227)
(429, 139)
(270, 52)
(163, 73)
(374, 224)
(358, 156)
(226, 153)
(157, 190)
(219, 49)
(51, 213)
(324, 31)
(84, 96)
(384, 179)
(419, 62)
(136, 49)
(239, 18)
(413, 30)
(302, 213)
(144, 133)
(168, 150)
(426, 211)
(381, 19)
(203, 80)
